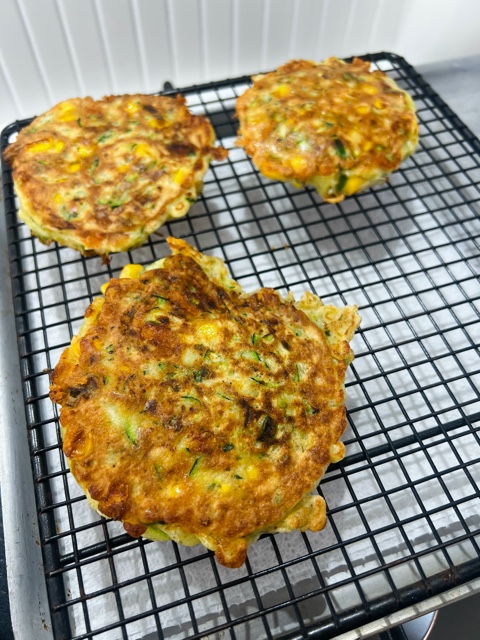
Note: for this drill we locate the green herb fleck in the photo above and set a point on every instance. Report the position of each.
(340, 149)
(66, 214)
(220, 395)
(105, 136)
(130, 433)
(309, 409)
(199, 375)
(237, 477)
(194, 466)
(228, 447)
(114, 203)
(342, 181)
(192, 398)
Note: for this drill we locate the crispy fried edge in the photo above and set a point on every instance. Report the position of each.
(325, 185)
(123, 241)
(309, 513)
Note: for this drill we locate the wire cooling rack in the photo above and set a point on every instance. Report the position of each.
(403, 506)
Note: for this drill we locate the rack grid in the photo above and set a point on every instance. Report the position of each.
(403, 506)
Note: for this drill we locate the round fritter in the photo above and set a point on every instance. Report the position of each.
(100, 176)
(194, 411)
(335, 126)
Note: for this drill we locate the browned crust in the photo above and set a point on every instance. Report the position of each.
(234, 413)
(329, 108)
(100, 175)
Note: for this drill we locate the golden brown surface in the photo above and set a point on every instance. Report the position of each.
(100, 176)
(336, 126)
(195, 411)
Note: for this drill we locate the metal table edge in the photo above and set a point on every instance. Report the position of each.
(29, 609)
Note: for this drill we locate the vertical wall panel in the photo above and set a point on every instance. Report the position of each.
(333, 28)
(53, 49)
(155, 42)
(185, 25)
(277, 42)
(217, 31)
(307, 28)
(86, 46)
(248, 23)
(18, 58)
(359, 26)
(116, 22)
(9, 105)
(386, 26)
(439, 30)
(50, 47)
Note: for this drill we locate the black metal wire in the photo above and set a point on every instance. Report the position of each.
(408, 253)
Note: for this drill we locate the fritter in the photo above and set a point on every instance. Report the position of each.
(194, 411)
(99, 176)
(336, 126)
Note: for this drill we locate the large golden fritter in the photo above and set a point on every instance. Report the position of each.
(100, 176)
(335, 126)
(194, 411)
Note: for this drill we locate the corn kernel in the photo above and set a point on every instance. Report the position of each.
(180, 176)
(84, 150)
(131, 271)
(225, 488)
(58, 198)
(298, 163)
(155, 123)
(67, 112)
(362, 109)
(73, 167)
(354, 183)
(143, 150)
(39, 147)
(123, 168)
(174, 490)
(251, 472)
(208, 330)
(367, 145)
(368, 88)
(281, 90)
(133, 107)
(378, 104)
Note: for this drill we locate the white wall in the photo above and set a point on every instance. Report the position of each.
(55, 49)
